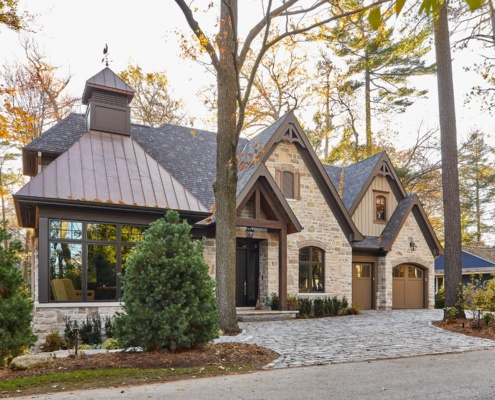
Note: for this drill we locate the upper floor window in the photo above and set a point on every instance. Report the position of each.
(311, 262)
(288, 182)
(380, 208)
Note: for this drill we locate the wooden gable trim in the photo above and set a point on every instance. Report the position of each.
(382, 167)
(291, 131)
(261, 185)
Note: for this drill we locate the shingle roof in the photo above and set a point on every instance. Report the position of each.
(355, 176)
(61, 136)
(107, 168)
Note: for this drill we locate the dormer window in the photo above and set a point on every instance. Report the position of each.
(288, 182)
(380, 208)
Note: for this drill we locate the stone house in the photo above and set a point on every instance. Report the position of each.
(303, 228)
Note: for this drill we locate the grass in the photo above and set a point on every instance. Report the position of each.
(86, 379)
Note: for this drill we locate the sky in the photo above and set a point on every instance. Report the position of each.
(73, 35)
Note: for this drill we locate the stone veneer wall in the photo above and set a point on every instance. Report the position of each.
(321, 229)
(209, 254)
(50, 317)
(402, 254)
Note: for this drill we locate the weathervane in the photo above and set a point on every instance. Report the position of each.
(105, 55)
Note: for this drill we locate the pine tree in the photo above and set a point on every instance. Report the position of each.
(16, 307)
(169, 299)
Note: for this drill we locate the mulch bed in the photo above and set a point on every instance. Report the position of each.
(463, 325)
(211, 355)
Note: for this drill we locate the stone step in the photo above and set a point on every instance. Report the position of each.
(247, 314)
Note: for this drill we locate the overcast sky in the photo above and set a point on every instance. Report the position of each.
(73, 35)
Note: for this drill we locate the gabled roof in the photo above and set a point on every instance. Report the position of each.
(288, 129)
(109, 169)
(470, 262)
(108, 81)
(410, 204)
(359, 176)
(247, 184)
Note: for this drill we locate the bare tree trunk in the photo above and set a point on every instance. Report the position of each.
(226, 178)
(450, 176)
(367, 106)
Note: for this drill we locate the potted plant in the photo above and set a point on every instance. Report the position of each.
(274, 300)
(292, 302)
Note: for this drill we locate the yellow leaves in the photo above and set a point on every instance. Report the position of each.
(193, 132)
(399, 4)
(474, 4)
(375, 17)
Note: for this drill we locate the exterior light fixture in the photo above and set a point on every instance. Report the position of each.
(249, 232)
(413, 246)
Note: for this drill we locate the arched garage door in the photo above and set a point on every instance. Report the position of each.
(407, 287)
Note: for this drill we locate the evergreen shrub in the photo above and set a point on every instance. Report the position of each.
(168, 299)
(16, 307)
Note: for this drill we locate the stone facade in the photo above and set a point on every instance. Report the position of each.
(321, 229)
(403, 254)
(49, 318)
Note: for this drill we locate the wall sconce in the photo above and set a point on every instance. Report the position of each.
(249, 232)
(413, 246)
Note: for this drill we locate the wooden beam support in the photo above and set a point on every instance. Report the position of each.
(260, 223)
(282, 269)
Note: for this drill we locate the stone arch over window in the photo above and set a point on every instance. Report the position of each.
(380, 208)
(311, 269)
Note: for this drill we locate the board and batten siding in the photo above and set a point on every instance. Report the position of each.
(364, 216)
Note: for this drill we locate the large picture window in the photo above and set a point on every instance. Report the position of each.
(85, 259)
(311, 262)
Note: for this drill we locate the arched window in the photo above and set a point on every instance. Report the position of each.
(380, 208)
(311, 262)
(288, 184)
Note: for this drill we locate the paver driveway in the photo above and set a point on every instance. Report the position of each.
(371, 335)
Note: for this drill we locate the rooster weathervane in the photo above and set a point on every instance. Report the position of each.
(105, 55)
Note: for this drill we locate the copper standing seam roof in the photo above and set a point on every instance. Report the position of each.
(107, 168)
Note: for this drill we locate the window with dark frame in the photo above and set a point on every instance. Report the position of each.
(380, 208)
(311, 262)
(85, 259)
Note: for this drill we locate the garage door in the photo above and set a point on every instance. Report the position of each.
(407, 287)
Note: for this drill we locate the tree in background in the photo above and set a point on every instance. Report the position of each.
(281, 85)
(477, 187)
(153, 104)
(9, 16)
(379, 64)
(16, 307)
(168, 298)
(32, 96)
(448, 141)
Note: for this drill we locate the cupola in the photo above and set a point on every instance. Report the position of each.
(108, 97)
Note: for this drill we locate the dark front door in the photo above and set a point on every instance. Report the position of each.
(247, 273)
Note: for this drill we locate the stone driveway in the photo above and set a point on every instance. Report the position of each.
(371, 335)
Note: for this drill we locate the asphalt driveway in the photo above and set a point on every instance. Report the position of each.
(372, 335)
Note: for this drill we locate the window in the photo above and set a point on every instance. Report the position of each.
(311, 262)
(288, 182)
(85, 259)
(380, 208)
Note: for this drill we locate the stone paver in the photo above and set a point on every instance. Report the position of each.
(371, 335)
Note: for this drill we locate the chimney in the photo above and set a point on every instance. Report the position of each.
(108, 97)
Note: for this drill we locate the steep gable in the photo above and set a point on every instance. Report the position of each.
(287, 130)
